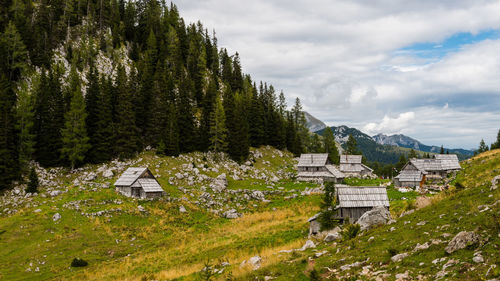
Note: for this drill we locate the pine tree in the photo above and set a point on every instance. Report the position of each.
(330, 146)
(208, 107)
(256, 121)
(482, 147)
(496, 145)
(441, 151)
(74, 134)
(351, 145)
(185, 118)
(33, 182)
(328, 204)
(401, 163)
(49, 119)
(412, 154)
(126, 137)
(8, 142)
(218, 131)
(25, 122)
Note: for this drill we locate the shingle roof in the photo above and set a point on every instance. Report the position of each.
(130, 176)
(355, 168)
(313, 160)
(332, 169)
(362, 196)
(427, 164)
(150, 185)
(409, 175)
(315, 174)
(448, 161)
(351, 159)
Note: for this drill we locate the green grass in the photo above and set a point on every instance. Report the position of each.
(365, 182)
(452, 211)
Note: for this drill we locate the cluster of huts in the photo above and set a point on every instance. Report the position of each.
(417, 171)
(318, 168)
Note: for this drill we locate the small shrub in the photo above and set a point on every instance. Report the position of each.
(314, 275)
(79, 263)
(392, 252)
(33, 183)
(458, 185)
(350, 231)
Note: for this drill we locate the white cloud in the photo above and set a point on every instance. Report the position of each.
(390, 125)
(343, 59)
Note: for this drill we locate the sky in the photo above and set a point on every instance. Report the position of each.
(427, 69)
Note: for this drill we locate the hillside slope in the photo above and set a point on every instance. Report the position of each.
(129, 239)
(422, 235)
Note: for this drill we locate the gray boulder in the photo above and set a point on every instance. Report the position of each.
(333, 235)
(399, 257)
(308, 245)
(220, 183)
(231, 214)
(54, 193)
(56, 217)
(107, 174)
(255, 262)
(182, 209)
(377, 216)
(462, 240)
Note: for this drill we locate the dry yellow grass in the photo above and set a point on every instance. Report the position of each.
(185, 253)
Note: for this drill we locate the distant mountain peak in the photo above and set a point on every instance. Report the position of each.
(313, 123)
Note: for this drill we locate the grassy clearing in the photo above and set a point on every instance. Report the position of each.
(450, 212)
(161, 243)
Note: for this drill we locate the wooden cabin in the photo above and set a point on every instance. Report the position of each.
(139, 182)
(316, 167)
(354, 201)
(351, 166)
(416, 171)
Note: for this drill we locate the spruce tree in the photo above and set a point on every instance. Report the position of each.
(412, 154)
(218, 130)
(496, 145)
(330, 146)
(25, 122)
(74, 134)
(402, 162)
(352, 146)
(33, 182)
(256, 121)
(441, 151)
(126, 136)
(482, 147)
(328, 204)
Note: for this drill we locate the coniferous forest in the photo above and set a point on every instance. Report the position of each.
(87, 81)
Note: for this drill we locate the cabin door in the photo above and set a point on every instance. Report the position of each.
(136, 192)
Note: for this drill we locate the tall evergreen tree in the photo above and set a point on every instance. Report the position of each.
(74, 134)
(330, 146)
(496, 144)
(412, 154)
(126, 137)
(352, 146)
(441, 151)
(482, 147)
(25, 122)
(218, 130)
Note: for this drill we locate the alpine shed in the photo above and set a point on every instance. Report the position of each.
(354, 201)
(351, 166)
(139, 182)
(317, 167)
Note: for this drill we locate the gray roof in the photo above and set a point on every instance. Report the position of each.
(315, 174)
(130, 176)
(332, 169)
(361, 196)
(150, 185)
(313, 160)
(427, 164)
(448, 161)
(409, 175)
(350, 159)
(367, 168)
(355, 168)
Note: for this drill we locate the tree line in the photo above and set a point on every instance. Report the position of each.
(178, 92)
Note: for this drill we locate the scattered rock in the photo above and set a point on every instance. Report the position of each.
(333, 235)
(107, 174)
(231, 214)
(424, 246)
(402, 276)
(377, 216)
(399, 257)
(255, 262)
(37, 210)
(308, 245)
(462, 240)
(54, 193)
(182, 209)
(56, 217)
(141, 208)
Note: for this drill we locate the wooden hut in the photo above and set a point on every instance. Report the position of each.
(317, 167)
(351, 166)
(354, 201)
(139, 182)
(416, 171)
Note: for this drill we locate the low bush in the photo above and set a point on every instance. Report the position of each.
(79, 263)
(350, 231)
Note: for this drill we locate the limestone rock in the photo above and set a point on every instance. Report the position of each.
(255, 262)
(56, 217)
(377, 216)
(231, 214)
(399, 257)
(462, 240)
(182, 209)
(308, 245)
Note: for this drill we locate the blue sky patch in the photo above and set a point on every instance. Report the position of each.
(437, 50)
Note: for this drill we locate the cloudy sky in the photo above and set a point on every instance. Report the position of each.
(427, 70)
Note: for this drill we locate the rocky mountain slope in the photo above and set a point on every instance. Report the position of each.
(312, 123)
(408, 142)
(454, 235)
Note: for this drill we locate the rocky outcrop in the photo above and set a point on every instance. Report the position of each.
(377, 216)
(461, 240)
